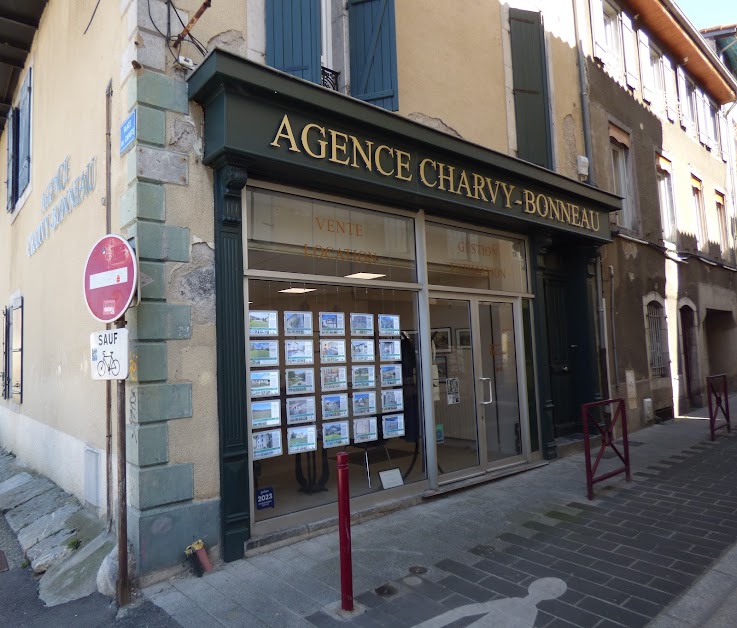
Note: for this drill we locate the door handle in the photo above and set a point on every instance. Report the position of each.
(565, 369)
(491, 396)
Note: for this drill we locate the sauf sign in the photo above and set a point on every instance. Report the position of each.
(109, 354)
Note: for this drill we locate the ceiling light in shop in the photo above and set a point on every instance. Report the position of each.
(298, 290)
(364, 276)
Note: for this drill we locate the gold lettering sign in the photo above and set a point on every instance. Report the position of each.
(344, 149)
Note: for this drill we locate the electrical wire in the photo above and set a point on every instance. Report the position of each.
(158, 30)
(92, 17)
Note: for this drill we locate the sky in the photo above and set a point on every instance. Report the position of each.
(705, 13)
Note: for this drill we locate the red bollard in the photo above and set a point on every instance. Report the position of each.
(344, 529)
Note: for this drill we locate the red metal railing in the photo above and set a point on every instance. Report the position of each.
(606, 431)
(716, 388)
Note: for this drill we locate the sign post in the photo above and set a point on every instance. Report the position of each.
(110, 282)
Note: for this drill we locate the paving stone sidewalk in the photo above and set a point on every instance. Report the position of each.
(621, 558)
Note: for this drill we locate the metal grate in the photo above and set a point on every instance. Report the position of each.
(330, 78)
(656, 335)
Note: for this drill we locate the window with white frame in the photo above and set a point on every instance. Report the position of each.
(712, 114)
(702, 234)
(657, 339)
(722, 221)
(613, 38)
(665, 194)
(657, 80)
(622, 177)
(18, 134)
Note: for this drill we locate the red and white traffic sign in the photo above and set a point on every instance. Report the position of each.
(110, 278)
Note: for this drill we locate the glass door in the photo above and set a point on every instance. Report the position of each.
(477, 388)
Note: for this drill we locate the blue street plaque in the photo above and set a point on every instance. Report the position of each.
(265, 498)
(128, 132)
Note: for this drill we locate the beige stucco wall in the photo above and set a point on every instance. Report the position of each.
(70, 75)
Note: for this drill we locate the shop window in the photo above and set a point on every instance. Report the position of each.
(18, 133)
(294, 234)
(622, 177)
(657, 339)
(697, 196)
(299, 37)
(530, 76)
(665, 194)
(12, 365)
(331, 368)
(470, 259)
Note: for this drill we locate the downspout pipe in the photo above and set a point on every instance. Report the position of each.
(584, 81)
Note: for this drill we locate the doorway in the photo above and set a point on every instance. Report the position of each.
(478, 383)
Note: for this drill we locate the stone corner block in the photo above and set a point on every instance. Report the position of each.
(165, 243)
(150, 125)
(149, 403)
(164, 166)
(148, 362)
(147, 444)
(160, 321)
(142, 200)
(153, 280)
(157, 486)
(158, 90)
(159, 535)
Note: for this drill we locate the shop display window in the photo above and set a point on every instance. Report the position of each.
(331, 368)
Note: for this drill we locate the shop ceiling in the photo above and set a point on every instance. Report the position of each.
(19, 21)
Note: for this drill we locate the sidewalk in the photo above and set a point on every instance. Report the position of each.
(617, 561)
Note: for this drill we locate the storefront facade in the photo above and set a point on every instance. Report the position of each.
(424, 303)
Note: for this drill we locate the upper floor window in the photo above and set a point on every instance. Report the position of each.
(722, 220)
(665, 195)
(613, 37)
(653, 82)
(299, 40)
(622, 176)
(18, 133)
(697, 195)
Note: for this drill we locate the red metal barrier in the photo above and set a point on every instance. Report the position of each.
(607, 440)
(716, 388)
(344, 531)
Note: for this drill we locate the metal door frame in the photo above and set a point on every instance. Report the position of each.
(475, 301)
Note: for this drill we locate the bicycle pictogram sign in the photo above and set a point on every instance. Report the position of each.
(109, 354)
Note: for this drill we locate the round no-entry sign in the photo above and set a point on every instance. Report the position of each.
(110, 278)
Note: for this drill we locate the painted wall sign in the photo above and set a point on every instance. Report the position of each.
(68, 199)
(128, 131)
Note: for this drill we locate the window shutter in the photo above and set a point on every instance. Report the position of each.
(710, 113)
(374, 52)
(701, 116)
(293, 37)
(724, 135)
(24, 135)
(671, 99)
(645, 67)
(630, 55)
(12, 182)
(686, 121)
(597, 26)
(530, 87)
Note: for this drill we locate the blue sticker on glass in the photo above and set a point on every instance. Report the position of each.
(265, 498)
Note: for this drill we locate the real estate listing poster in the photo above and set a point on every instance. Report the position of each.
(299, 352)
(300, 439)
(392, 400)
(335, 406)
(300, 381)
(364, 403)
(390, 350)
(332, 351)
(392, 425)
(389, 325)
(301, 410)
(266, 444)
(297, 323)
(335, 434)
(332, 324)
(333, 378)
(264, 383)
(391, 374)
(265, 413)
(263, 323)
(363, 376)
(264, 353)
(362, 324)
(364, 430)
(362, 349)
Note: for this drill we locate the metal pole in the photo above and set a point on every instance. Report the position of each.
(344, 531)
(108, 383)
(123, 589)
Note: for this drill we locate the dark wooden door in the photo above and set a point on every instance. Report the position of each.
(564, 420)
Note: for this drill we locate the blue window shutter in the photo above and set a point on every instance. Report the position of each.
(374, 52)
(12, 163)
(24, 135)
(293, 42)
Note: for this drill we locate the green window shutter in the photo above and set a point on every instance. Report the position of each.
(530, 87)
(24, 135)
(293, 41)
(374, 52)
(12, 182)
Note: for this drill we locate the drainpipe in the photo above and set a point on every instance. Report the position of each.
(108, 383)
(584, 81)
